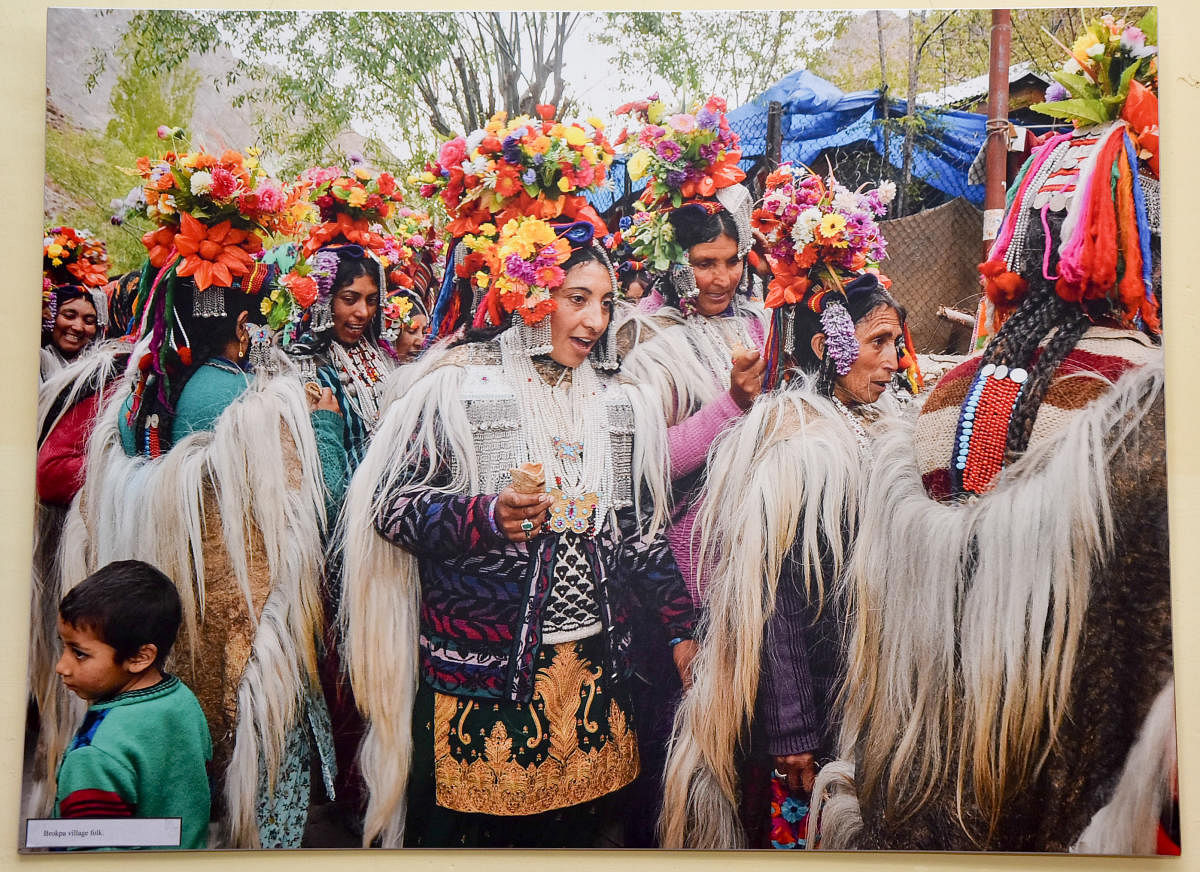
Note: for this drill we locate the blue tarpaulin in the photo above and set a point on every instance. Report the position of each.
(817, 115)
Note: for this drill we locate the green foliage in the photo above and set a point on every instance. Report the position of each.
(734, 54)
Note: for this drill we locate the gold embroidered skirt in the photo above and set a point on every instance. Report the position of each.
(571, 743)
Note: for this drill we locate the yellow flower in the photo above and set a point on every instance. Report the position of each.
(189, 160)
(589, 154)
(638, 164)
(487, 228)
(576, 135)
(54, 249)
(557, 131)
(481, 279)
(565, 185)
(362, 173)
(358, 196)
(1084, 43)
(655, 112)
(265, 306)
(535, 232)
(832, 224)
(596, 123)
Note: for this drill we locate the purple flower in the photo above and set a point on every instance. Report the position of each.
(539, 159)
(669, 150)
(355, 158)
(529, 177)
(512, 150)
(840, 342)
(707, 119)
(676, 178)
(1055, 92)
(709, 152)
(519, 269)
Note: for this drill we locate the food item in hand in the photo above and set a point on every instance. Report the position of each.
(528, 478)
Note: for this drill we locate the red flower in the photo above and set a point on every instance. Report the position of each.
(223, 183)
(545, 111)
(387, 184)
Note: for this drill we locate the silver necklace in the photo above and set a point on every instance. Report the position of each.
(360, 369)
(860, 432)
(711, 338)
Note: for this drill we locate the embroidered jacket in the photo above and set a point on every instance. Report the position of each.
(483, 596)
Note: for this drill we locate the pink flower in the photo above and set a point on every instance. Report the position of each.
(417, 241)
(715, 104)
(223, 183)
(163, 131)
(270, 196)
(452, 153)
(682, 123)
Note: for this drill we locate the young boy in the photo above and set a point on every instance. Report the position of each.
(143, 746)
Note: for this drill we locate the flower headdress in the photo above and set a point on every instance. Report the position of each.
(1104, 178)
(74, 264)
(400, 312)
(823, 245)
(71, 256)
(689, 161)
(211, 214)
(505, 188)
(344, 212)
(412, 251)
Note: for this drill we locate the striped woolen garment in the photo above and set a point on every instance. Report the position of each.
(1101, 357)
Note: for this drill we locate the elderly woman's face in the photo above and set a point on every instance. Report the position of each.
(718, 271)
(871, 373)
(74, 326)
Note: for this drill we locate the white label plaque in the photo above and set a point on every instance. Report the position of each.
(102, 833)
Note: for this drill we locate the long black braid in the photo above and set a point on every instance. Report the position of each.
(1016, 344)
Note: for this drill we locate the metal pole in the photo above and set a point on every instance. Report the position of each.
(774, 135)
(997, 126)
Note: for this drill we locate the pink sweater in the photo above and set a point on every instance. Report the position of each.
(688, 443)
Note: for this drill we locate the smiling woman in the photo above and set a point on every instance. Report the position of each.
(504, 483)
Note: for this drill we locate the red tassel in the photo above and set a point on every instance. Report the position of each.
(1131, 290)
(1003, 288)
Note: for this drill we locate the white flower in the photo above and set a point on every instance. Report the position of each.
(844, 201)
(476, 167)
(887, 191)
(201, 182)
(806, 222)
(1072, 67)
(1096, 50)
(474, 139)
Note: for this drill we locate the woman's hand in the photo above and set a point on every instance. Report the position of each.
(746, 378)
(320, 398)
(520, 516)
(800, 769)
(683, 653)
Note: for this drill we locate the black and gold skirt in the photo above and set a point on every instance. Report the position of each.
(572, 743)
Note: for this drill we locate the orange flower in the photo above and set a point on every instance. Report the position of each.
(205, 161)
(160, 243)
(213, 255)
(349, 229)
(303, 289)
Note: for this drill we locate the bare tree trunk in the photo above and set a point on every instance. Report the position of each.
(910, 117)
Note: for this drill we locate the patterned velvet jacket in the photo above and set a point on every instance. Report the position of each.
(483, 596)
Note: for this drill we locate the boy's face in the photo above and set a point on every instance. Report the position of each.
(88, 667)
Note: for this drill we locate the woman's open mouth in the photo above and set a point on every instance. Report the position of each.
(584, 345)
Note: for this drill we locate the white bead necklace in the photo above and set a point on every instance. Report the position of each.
(860, 432)
(711, 338)
(567, 431)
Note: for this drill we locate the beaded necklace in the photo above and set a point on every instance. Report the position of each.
(860, 432)
(983, 425)
(579, 471)
(224, 365)
(710, 337)
(360, 368)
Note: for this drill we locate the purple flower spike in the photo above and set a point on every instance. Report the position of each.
(840, 342)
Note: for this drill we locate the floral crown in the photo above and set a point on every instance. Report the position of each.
(1111, 73)
(686, 158)
(400, 312)
(210, 211)
(346, 206)
(412, 251)
(520, 166)
(816, 227)
(71, 256)
(503, 185)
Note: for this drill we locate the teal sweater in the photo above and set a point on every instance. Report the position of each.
(141, 754)
(211, 390)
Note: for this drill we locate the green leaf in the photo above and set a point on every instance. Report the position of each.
(1087, 110)
(1127, 77)
(1077, 85)
(1148, 24)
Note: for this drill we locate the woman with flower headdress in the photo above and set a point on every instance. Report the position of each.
(331, 302)
(697, 338)
(211, 474)
(778, 516)
(496, 539)
(1010, 680)
(74, 308)
(405, 325)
